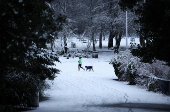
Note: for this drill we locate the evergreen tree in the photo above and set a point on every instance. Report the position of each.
(26, 27)
(154, 20)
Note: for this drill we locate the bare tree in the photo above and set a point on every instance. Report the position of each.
(63, 7)
(93, 17)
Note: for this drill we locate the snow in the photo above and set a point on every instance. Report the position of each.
(98, 91)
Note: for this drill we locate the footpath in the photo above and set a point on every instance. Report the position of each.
(87, 91)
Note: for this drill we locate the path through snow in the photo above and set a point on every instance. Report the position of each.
(84, 91)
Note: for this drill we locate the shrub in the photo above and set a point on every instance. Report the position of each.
(117, 70)
(125, 67)
(130, 68)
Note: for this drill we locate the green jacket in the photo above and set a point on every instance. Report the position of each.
(80, 61)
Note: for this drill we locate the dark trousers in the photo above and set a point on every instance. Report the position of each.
(79, 66)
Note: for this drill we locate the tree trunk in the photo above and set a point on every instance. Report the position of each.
(52, 45)
(110, 41)
(100, 39)
(142, 41)
(91, 22)
(65, 43)
(94, 48)
(118, 40)
(104, 38)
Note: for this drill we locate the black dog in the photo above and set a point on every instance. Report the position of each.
(89, 68)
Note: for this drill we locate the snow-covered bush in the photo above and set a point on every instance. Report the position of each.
(130, 68)
(116, 66)
(157, 69)
(127, 67)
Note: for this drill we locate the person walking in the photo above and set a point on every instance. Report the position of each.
(80, 64)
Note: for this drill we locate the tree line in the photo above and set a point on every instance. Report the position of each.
(147, 19)
(95, 19)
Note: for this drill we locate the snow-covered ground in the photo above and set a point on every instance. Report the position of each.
(88, 91)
